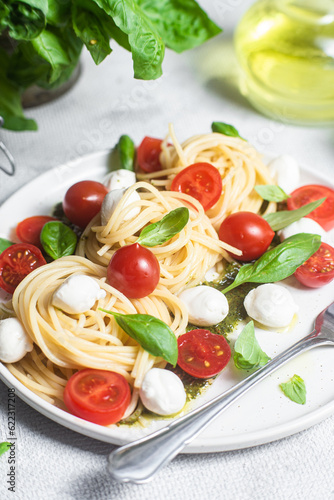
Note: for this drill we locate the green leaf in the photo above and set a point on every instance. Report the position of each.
(58, 240)
(4, 244)
(280, 220)
(295, 389)
(225, 129)
(59, 13)
(271, 193)
(126, 150)
(247, 351)
(182, 24)
(4, 447)
(279, 262)
(25, 19)
(163, 230)
(151, 333)
(146, 45)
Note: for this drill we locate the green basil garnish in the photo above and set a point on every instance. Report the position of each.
(123, 155)
(4, 447)
(163, 230)
(225, 129)
(280, 220)
(247, 351)
(271, 193)
(295, 389)
(151, 333)
(279, 262)
(5, 244)
(58, 240)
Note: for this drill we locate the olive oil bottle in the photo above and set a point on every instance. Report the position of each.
(286, 52)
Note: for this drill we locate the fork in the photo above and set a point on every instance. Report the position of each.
(139, 461)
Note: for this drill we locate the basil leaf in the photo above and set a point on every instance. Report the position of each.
(25, 19)
(58, 240)
(247, 351)
(225, 129)
(272, 193)
(295, 389)
(163, 230)
(4, 447)
(182, 24)
(151, 333)
(126, 150)
(279, 220)
(4, 244)
(279, 262)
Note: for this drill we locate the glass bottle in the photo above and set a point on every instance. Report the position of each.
(286, 52)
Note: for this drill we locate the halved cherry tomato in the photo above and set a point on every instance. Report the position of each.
(248, 232)
(148, 153)
(134, 271)
(202, 353)
(83, 201)
(200, 180)
(324, 214)
(16, 262)
(318, 270)
(99, 396)
(29, 230)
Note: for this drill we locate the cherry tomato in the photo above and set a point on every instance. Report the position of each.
(29, 230)
(134, 271)
(203, 354)
(83, 201)
(16, 262)
(97, 395)
(318, 270)
(148, 153)
(200, 180)
(248, 232)
(324, 214)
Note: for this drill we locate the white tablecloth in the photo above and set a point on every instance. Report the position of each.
(197, 88)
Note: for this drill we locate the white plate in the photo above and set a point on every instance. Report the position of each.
(262, 415)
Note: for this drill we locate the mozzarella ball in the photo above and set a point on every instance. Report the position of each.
(285, 170)
(77, 294)
(162, 392)
(120, 179)
(272, 305)
(111, 201)
(206, 306)
(305, 225)
(14, 341)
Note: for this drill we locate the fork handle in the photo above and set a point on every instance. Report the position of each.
(137, 462)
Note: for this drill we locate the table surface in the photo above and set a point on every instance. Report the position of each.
(197, 88)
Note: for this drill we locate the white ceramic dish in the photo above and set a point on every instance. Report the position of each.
(262, 415)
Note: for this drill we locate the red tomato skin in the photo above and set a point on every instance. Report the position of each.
(87, 395)
(134, 270)
(199, 346)
(29, 230)
(148, 154)
(248, 232)
(16, 262)
(318, 270)
(324, 214)
(200, 180)
(83, 201)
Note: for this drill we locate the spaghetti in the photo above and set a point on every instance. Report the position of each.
(65, 343)
(183, 260)
(239, 164)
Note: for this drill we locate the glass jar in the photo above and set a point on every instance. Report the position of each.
(286, 52)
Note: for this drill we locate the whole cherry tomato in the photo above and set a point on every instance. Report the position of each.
(134, 271)
(83, 201)
(148, 153)
(29, 230)
(248, 232)
(324, 214)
